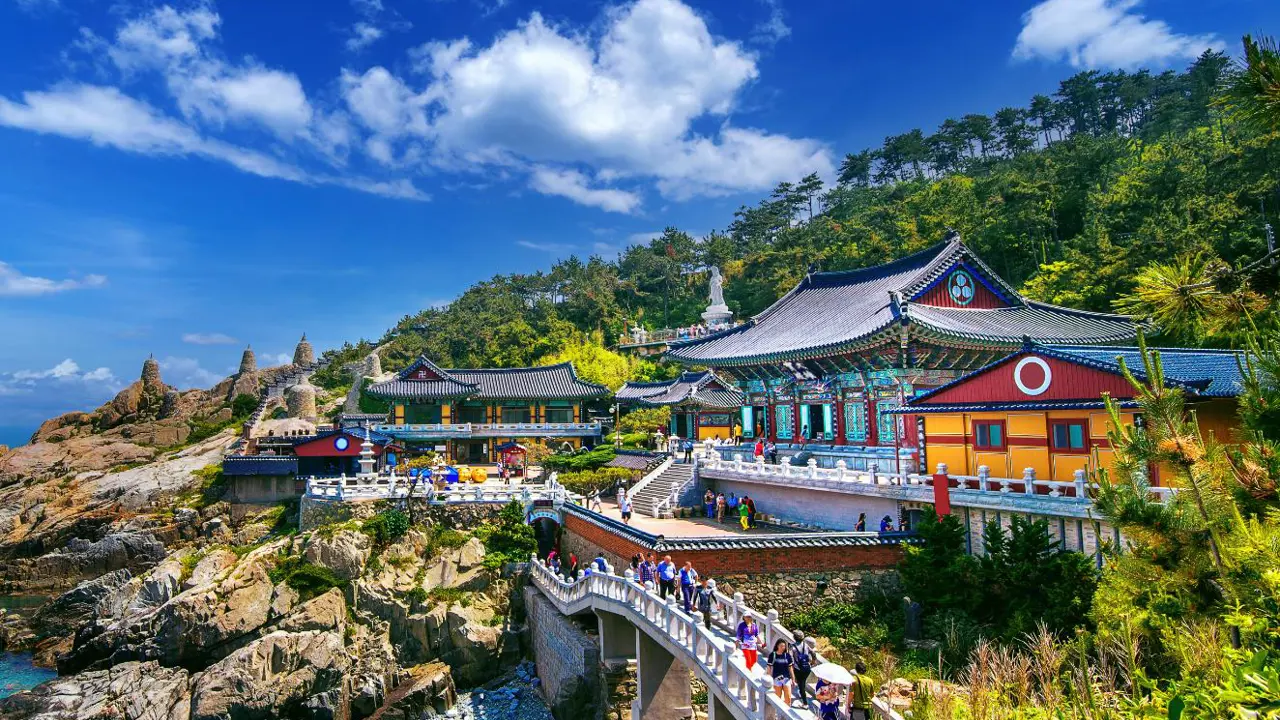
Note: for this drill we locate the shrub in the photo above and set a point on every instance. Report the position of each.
(243, 406)
(644, 421)
(511, 540)
(580, 460)
(386, 527)
(307, 579)
(585, 482)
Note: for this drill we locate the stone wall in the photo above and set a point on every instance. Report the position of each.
(316, 512)
(567, 658)
(586, 539)
(833, 511)
(265, 488)
(787, 593)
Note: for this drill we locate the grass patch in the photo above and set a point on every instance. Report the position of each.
(189, 562)
(212, 486)
(307, 579)
(450, 596)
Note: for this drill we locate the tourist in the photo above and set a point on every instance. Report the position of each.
(720, 508)
(804, 434)
(705, 600)
(782, 667)
(904, 525)
(758, 451)
(886, 524)
(666, 577)
(635, 564)
(860, 693)
(571, 570)
(731, 504)
(737, 433)
(751, 510)
(861, 525)
(771, 450)
(688, 451)
(553, 562)
(709, 503)
(648, 572)
(744, 511)
(688, 585)
(595, 501)
(624, 507)
(601, 564)
(749, 640)
(804, 658)
(828, 697)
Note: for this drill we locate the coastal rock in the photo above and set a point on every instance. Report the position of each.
(129, 691)
(325, 612)
(65, 613)
(210, 567)
(345, 553)
(82, 559)
(299, 674)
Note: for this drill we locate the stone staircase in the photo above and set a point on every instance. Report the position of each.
(651, 494)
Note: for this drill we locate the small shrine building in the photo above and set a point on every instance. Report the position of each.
(703, 406)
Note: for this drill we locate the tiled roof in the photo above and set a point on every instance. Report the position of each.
(1208, 373)
(632, 461)
(259, 465)
(690, 387)
(833, 312)
(375, 437)
(551, 382)
(988, 407)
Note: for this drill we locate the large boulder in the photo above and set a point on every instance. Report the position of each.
(85, 559)
(129, 691)
(280, 674)
(65, 613)
(345, 552)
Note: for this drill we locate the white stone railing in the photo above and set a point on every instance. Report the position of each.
(345, 488)
(466, 430)
(907, 486)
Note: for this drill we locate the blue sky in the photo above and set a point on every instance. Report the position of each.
(183, 179)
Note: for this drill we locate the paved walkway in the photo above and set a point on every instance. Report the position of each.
(688, 527)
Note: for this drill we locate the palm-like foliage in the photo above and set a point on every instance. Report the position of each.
(1252, 92)
(1194, 297)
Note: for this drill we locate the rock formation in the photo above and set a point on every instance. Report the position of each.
(304, 354)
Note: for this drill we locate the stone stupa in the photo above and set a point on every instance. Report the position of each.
(304, 354)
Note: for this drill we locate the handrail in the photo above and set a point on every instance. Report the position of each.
(393, 487)
(650, 475)
(664, 505)
(714, 657)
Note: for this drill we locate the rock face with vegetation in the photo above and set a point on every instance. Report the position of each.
(341, 623)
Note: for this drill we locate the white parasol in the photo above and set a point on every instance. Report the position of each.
(832, 673)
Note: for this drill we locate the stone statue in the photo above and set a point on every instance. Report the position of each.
(912, 612)
(717, 288)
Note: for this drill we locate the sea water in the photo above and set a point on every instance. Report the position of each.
(18, 674)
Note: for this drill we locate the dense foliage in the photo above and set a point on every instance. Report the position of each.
(586, 482)
(386, 527)
(511, 540)
(580, 459)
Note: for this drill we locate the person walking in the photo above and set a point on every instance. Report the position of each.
(757, 452)
(709, 503)
(828, 697)
(648, 571)
(595, 501)
(600, 563)
(624, 507)
(782, 667)
(688, 451)
(571, 570)
(751, 510)
(688, 585)
(720, 508)
(803, 655)
(705, 600)
(860, 693)
(743, 512)
(666, 577)
(886, 524)
(731, 505)
(749, 640)
(861, 525)
(771, 450)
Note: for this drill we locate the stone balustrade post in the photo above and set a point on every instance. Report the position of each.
(1004, 485)
(738, 604)
(737, 462)
(842, 468)
(1079, 477)
(1055, 489)
(984, 474)
(872, 470)
(1029, 481)
(813, 468)
(771, 625)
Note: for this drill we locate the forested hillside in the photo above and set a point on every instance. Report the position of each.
(1070, 197)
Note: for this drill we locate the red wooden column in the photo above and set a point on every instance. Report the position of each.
(837, 420)
(941, 491)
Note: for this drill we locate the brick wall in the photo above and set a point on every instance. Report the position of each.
(586, 539)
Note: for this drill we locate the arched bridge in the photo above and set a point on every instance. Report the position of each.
(666, 643)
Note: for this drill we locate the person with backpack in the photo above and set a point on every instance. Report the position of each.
(782, 667)
(749, 640)
(804, 658)
(751, 510)
(744, 514)
(688, 585)
(861, 693)
(705, 599)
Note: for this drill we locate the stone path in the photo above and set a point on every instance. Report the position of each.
(689, 527)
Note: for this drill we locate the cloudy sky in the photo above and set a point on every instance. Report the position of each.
(183, 179)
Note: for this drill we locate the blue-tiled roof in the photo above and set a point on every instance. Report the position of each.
(549, 382)
(259, 465)
(375, 437)
(1209, 373)
(969, 407)
(834, 312)
(691, 387)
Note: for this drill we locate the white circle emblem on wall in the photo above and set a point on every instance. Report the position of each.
(960, 287)
(1044, 367)
(341, 443)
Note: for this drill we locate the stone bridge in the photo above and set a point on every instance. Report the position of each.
(666, 644)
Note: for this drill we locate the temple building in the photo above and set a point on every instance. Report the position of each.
(702, 405)
(824, 365)
(1041, 409)
(467, 414)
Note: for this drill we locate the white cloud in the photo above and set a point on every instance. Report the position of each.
(269, 360)
(775, 28)
(363, 35)
(209, 339)
(1104, 33)
(552, 247)
(64, 373)
(575, 186)
(185, 373)
(14, 284)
